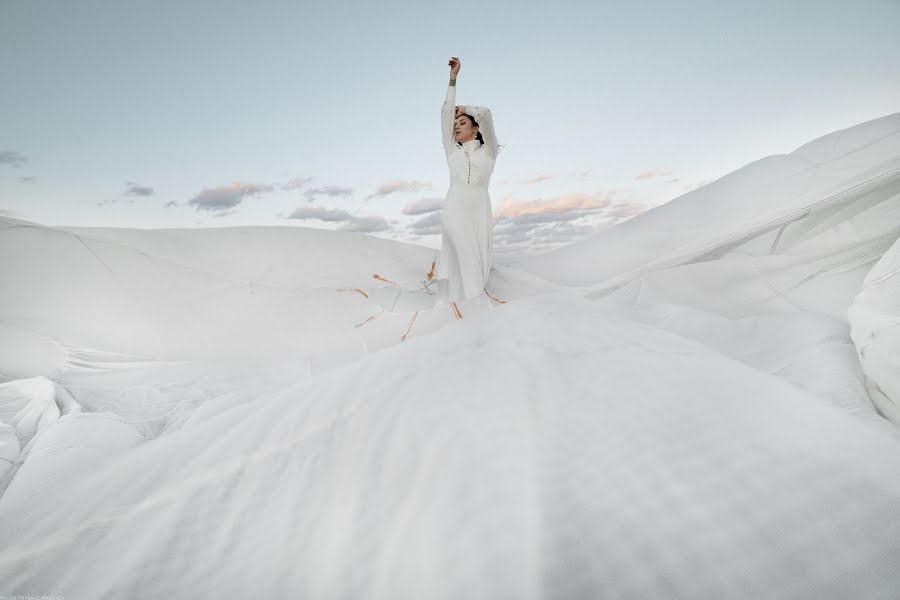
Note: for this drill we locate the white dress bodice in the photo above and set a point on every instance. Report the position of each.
(471, 162)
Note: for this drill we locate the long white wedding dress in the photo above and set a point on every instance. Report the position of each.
(464, 262)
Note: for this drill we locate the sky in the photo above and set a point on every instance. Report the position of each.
(164, 114)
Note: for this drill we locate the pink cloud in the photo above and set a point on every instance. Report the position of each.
(423, 205)
(397, 185)
(538, 179)
(511, 207)
(652, 174)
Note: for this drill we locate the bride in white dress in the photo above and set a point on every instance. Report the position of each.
(471, 147)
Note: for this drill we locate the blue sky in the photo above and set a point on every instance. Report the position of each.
(206, 114)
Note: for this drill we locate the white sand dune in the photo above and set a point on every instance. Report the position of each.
(697, 403)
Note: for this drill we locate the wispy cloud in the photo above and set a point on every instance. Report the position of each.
(332, 191)
(427, 225)
(523, 238)
(320, 213)
(423, 205)
(577, 175)
(392, 187)
(652, 174)
(12, 158)
(137, 190)
(296, 183)
(131, 189)
(350, 222)
(220, 199)
(538, 179)
(28, 179)
(367, 224)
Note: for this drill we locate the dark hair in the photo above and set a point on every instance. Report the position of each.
(478, 135)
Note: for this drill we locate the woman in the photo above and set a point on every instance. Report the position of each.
(467, 239)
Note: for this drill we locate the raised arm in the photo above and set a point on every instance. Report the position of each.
(485, 120)
(448, 116)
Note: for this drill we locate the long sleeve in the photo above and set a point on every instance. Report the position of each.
(448, 115)
(485, 120)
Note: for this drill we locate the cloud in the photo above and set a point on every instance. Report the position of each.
(332, 191)
(364, 224)
(536, 218)
(428, 225)
(652, 174)
(524, 240)
(390, 187)
(423, 205)
(542, 177)
(137, 190)
(220, 199)
(296, 183)
(510, 207)
(14, 159)
(133, 189)
(28, 179)
(369, 224)
(321, 213)
(538, 179)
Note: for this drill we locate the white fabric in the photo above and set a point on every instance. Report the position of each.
(533, 454)
(464, 262)
(875, 327)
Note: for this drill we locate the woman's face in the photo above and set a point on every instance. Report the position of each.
(463, 130)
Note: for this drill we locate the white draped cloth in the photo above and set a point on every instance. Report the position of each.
(464, 262)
